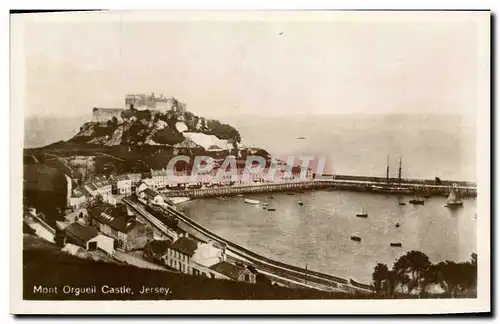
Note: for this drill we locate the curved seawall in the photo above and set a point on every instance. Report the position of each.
(321, 280)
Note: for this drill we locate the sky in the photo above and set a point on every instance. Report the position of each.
(287, 66)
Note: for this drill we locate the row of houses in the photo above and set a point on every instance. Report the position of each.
(161, 179)
(116, 227)
(105, 188)
(126, 184)
(193, 257)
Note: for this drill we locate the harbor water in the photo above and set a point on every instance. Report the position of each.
(317, 234)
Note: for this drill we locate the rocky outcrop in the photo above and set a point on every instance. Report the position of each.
(136, 127)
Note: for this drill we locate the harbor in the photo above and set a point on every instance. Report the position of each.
(327, 182)
(318, 234)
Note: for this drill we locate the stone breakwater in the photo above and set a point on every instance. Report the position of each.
(404, 188)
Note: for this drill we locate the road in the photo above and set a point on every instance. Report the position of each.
(40, 231)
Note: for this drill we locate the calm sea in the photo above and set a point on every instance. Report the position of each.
(430, 146)
(318, 233)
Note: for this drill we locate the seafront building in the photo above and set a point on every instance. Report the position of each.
(193, 257)
(129, 232)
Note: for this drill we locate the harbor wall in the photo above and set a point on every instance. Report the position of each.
(406, 188)
(397, 180)
(314, 279)
(244, 253)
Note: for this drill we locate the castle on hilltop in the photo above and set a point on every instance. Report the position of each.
(139, 101)
(142, 101)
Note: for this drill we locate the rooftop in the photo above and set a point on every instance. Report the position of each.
(158, 173)
(77, 230)
(228, 269)
(116, 217)
(185, 245)
(122, 177)
(159, 246)
(150, 193)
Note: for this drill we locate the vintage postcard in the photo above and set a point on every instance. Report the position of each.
(302, 162)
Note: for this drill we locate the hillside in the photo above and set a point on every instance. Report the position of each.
(141, 140)
(150, 127)
(44, 265)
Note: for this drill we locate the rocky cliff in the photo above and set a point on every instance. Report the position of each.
(149, 127)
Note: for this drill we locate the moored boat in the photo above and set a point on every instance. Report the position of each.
(396, 244)
(355, 238)
(362, 214)
(455, 198)
(253, 202)
(417, 201)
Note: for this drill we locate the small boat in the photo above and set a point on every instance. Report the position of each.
(356, 238)
(239, 195)
(417, 201)
(253, 202)
(362, 214)
(290, 193)
(397, 225)
(301, 137)
(271, 209)
(300, 202)
(455, 198)
(222, 198)
(401, 203)
(271, 197)
(265, 204)
(396, 244)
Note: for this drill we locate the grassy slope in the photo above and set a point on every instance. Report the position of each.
(48, 267)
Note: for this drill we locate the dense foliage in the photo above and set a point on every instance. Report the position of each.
(414, 273)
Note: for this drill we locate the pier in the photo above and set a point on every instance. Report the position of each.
(349, 183)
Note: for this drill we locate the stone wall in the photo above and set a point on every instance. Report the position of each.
(105, 114)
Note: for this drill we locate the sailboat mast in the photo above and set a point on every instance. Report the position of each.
(399, 171)
(387, 171)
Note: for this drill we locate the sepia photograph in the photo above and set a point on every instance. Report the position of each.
(188, 159)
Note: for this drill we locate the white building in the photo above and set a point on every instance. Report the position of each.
(77, 199)
(98, 187)
(152, 196)
(124, 184)
(159, 179)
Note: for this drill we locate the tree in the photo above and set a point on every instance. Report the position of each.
(410, 269)
(379, 276)
(391, 283)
